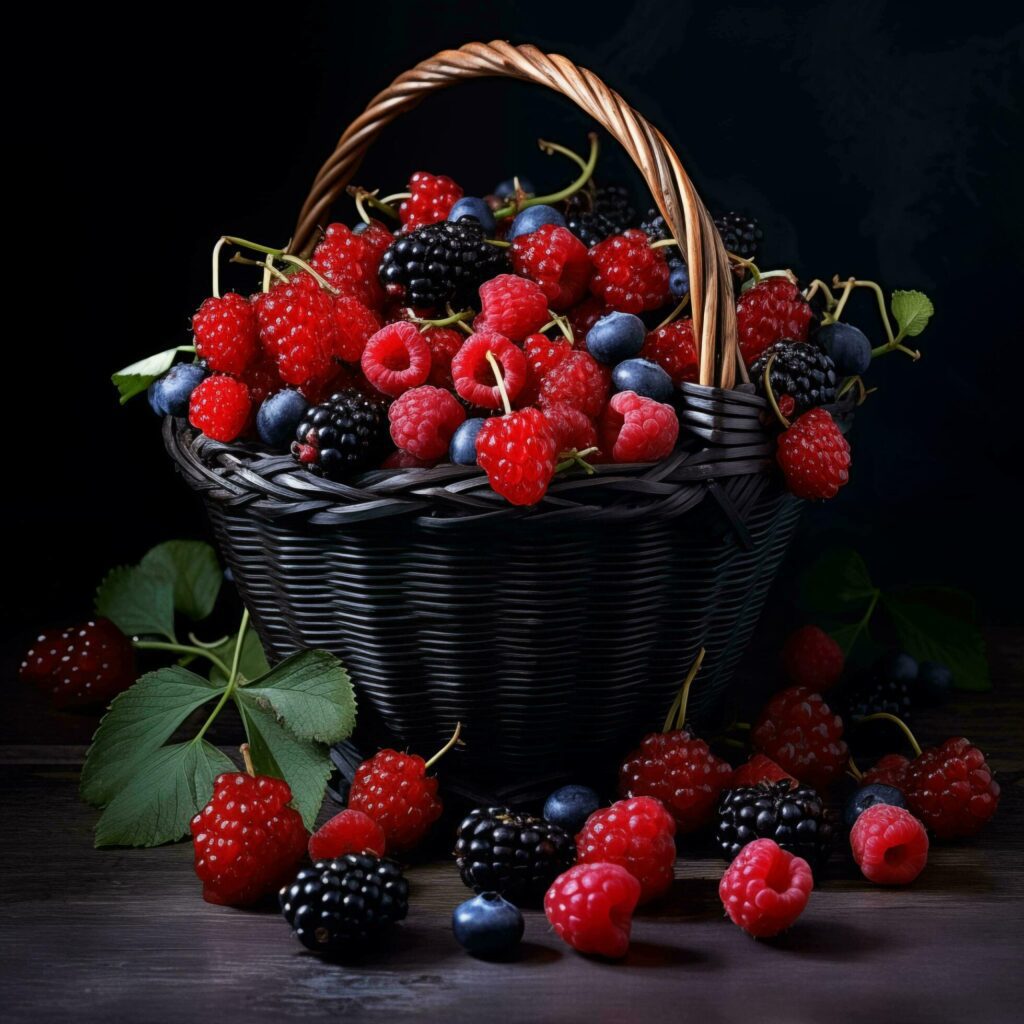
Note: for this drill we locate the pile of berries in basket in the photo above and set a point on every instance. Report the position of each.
(527, 335)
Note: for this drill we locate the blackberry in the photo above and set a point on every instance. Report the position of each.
(337, 906)
(875, 694)
(801, 370)
(593, 217)
(440, 263)
(514, 854)
(795, 818)
(654, 226)
(346, 433)
(741, 235)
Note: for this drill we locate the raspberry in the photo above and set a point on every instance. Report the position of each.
(765, 889)
(542, 354)
(673, 348)
(220, 407)
(396, 358)
(400, 459)
(584, 316)
(424, 419)
(443, 343)
(262, 380)
(891, 770)
(571, 428)
(814, 456)
(557, 260)
(889, 845)
(248, 841)
(347, 832)
(591, 908)
(629, 275)
(637, 834)
(637, 429)
(343, 378)
(811, 658)
(297, 328)
(513, 306)
(226, 333)
(578, 380)
(354, 323)
(519, 453)
(800, 733)
(759, 769)
(85, 664)
(349, 261)
(770, 311)
(473, 373)
(433, 196)
(951, 789)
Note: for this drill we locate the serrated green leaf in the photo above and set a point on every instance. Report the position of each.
(193, 569)
(312, 694)
(252, 662)
(162, 797)
(859, 647)
(139, 722)
(138, 601)
(912, 311)
(134, 379)
(837, 582)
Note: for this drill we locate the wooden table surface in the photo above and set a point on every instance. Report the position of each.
(123, 935)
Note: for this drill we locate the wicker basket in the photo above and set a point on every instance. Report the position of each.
(556, 634)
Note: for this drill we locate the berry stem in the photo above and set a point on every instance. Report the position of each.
(572, 457)
(498, 243)
(247, 758)
(496, 367)
(267, 265)
(232, 677)
(863, 624)
(663, 243)
(749, 264)
(444, 750)
(677, 712)
(254, 246)
(388, 200)
(880, 298)
(683, 303)
(362, 195)
(448, 321)
(321, 280)
(215, 278)
(550, 148)
(836, 313)
(556, 197)
(884, 716)
(852, 768)
(818, 285)
(195, 652)
(771, 394)
(207, 644)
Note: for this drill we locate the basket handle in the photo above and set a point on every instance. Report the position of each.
(714, 314)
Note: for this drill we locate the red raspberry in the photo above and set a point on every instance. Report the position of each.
(354, 324)
(765, 889)
(376, 239)
(767, 313)
(637, 429)
(673, 348)
(800, 733)
(557, 260)
(396, 358)
(226, 333)
(681, 772)
(443, 343)
(584, 316)
(578, 380)
(297, 328)
(759, 769)
(814, 456)
(433, 196)
(591, 908)
(349, 262)
(248, 841)
(513, 306)
(220, 408)
(262, 380)
(891, 770)
(542, 354)
(629, 275)
(424, 419)
(951, 789)
(571, 428)
(400, 459)
(315, 391)
(889, 845)
(348, 832)
(637, 834)
(86, 664)
(473, 373)
(811, 658)
(519, 453)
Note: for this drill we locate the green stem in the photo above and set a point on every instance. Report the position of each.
(677, 712)
(254, 246)
(496, 367)
(683, 303)
(769, 391)
(447, 321)
(841, 304)
(863, 624)
(556, 197)
(550, 148)
(320, 279)
(884, 716)
(232, 675)
(197, 652)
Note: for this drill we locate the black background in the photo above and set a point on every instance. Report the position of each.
(880, 139)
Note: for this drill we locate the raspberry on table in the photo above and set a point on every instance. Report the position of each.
(396, 359)
(591, 908)
(513, 306)
(220, 407)
(558, 261)
(637, 429)
(346, 433)
(759, 769)
(770, 311)
(578, 380)
(765, 889)
(890, 846)
(473, 374)
(801, 371)
(443, 343)
(349, 261)
(571, 428)
(637, 834)
(297, 328)
(424, 419)
(584, 316)
(519, 453)
(811, 658)
(890, 770)
(674, 349)
(814, 456)
(433, 196)
(629, 276)
(355, 323)
(349, 831)
(226, 332)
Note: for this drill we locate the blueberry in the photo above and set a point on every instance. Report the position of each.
(935, 681)
(168, 395)
(278, 417)
(470, 206)
(678, 279)
(462, 450)
(615, 337)
(643, 377)
(847, 346)
(570, 807)
(532, 218)
(899, 668)
(506, 189)
(488, 925)
(868, 797)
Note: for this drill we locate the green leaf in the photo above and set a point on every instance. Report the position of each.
(193, 569)
(312, 694)
(138, 601)
(162, 797)
(860, 648)
(837, 582)
(134, 379)
(912, 311)
(251, 664)
(139, 722)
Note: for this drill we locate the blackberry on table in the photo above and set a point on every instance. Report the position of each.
(594, 217)
(346, 433)
(741, 235)
(801, 370)
(877, 693)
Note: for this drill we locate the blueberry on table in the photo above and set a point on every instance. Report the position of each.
(616, 337)
(643, 377)
(488, 925)
(570, 806)
(279, 416)
(867, 797)
(900, 667)
(848, 347)
(471, 206)
(462, 450)
(532, 218)
(168, 395)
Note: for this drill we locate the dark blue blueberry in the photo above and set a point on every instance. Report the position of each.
(470, 206)
(532, 218)
(506, 189)
(278, 417)
(935, 681)
(488, 925)
(168, 395)
(643, 377)
(462, 450)
(899, 668)
(868, 797)
(570, 807)
(847, 347)
(615, 337)
(678, 279)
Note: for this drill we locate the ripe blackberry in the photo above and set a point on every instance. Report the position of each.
(514, 854)
(346, 433)
(795, 818)
(594, 217)
(801, 370)
(876, 693)
(337, 906)
(741, 234)
(441, 263)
